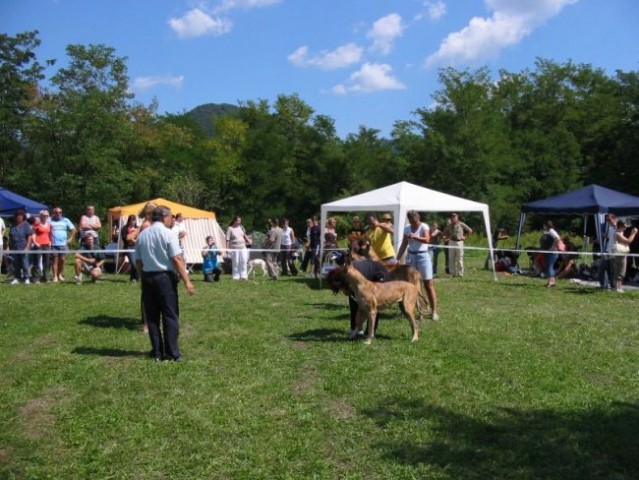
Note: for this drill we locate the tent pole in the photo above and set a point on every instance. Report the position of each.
(522, 220)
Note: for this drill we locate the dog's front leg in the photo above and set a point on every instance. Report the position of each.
(370, 331)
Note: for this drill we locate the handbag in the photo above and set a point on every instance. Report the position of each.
(620, 248)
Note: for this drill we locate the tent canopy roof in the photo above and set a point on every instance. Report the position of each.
(401, 197)
(187, 212)
(589, 199)
(10, 202)
(409, 196)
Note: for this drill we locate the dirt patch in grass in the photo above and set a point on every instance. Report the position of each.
(300, 345)
(37, 415)
(40, 344)
(342, 410)
(306, 382)
(5, 456)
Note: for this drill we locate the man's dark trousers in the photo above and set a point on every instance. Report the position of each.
(160, 298)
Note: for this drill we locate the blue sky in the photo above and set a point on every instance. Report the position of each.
(361, 62)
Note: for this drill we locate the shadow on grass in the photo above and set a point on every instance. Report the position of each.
(310, 282)
(600, 443)
(108, 352)
(320, 335)
(327, 306)
(328, 335)
(515, 285)
(584, 291)
(106, 321)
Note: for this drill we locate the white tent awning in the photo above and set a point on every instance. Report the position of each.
(401, 197)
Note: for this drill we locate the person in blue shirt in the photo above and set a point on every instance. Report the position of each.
(160, 263)
(62, 232)
(210, 265)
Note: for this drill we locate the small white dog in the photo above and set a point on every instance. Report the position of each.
(256, 263)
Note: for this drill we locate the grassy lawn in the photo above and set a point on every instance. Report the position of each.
(516, 381)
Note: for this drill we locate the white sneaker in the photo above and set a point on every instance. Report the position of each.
(435, 317)
(27, 282)
(620, 290)
(78, 279)
(15, 281)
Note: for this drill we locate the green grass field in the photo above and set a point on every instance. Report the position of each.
(515, 382)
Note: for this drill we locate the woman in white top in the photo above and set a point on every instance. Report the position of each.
(550, 243)
(416, 238)
(287, 262)
(620, 250)
(236, 242)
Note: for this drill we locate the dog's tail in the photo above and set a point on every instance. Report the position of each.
(422, 301)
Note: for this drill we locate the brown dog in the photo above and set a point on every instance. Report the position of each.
(409, 274)
(406, 273)
(372, 296)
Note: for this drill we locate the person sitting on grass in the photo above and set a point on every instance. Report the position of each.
(568, 261)
(210, 266)
(88, 260)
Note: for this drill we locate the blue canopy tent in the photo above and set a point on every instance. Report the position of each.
(592, 200)
(10, 202)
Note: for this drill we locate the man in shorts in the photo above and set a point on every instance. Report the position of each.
(62, 232)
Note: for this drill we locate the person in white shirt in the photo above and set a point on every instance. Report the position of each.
(90, 225)
(287, 262)
(180, 230)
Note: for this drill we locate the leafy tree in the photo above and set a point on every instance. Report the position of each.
(291, 160)
(462, 145)
(20, 73)
(79, 129)
(370, 162)
(224, 170)
(612, 120)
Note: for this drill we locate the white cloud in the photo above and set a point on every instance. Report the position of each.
(196, 23)
(144, 83)
(372, 77)
(343, 56)
(485, 38)
(227, 5)
(212, 20)
(384, 32)
(434, 11)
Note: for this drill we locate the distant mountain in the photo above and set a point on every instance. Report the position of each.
(204, 114)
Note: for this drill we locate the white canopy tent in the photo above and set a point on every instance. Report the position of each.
(399, 199)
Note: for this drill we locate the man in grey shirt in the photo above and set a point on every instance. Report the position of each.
(159, 262)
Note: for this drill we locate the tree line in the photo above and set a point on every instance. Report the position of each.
(80, 136)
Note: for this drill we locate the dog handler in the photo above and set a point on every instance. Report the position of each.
(417, 238)
(158, 258)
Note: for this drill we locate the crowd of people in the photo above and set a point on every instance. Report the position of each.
(41, 243)
(45, 242)
(557, 257)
